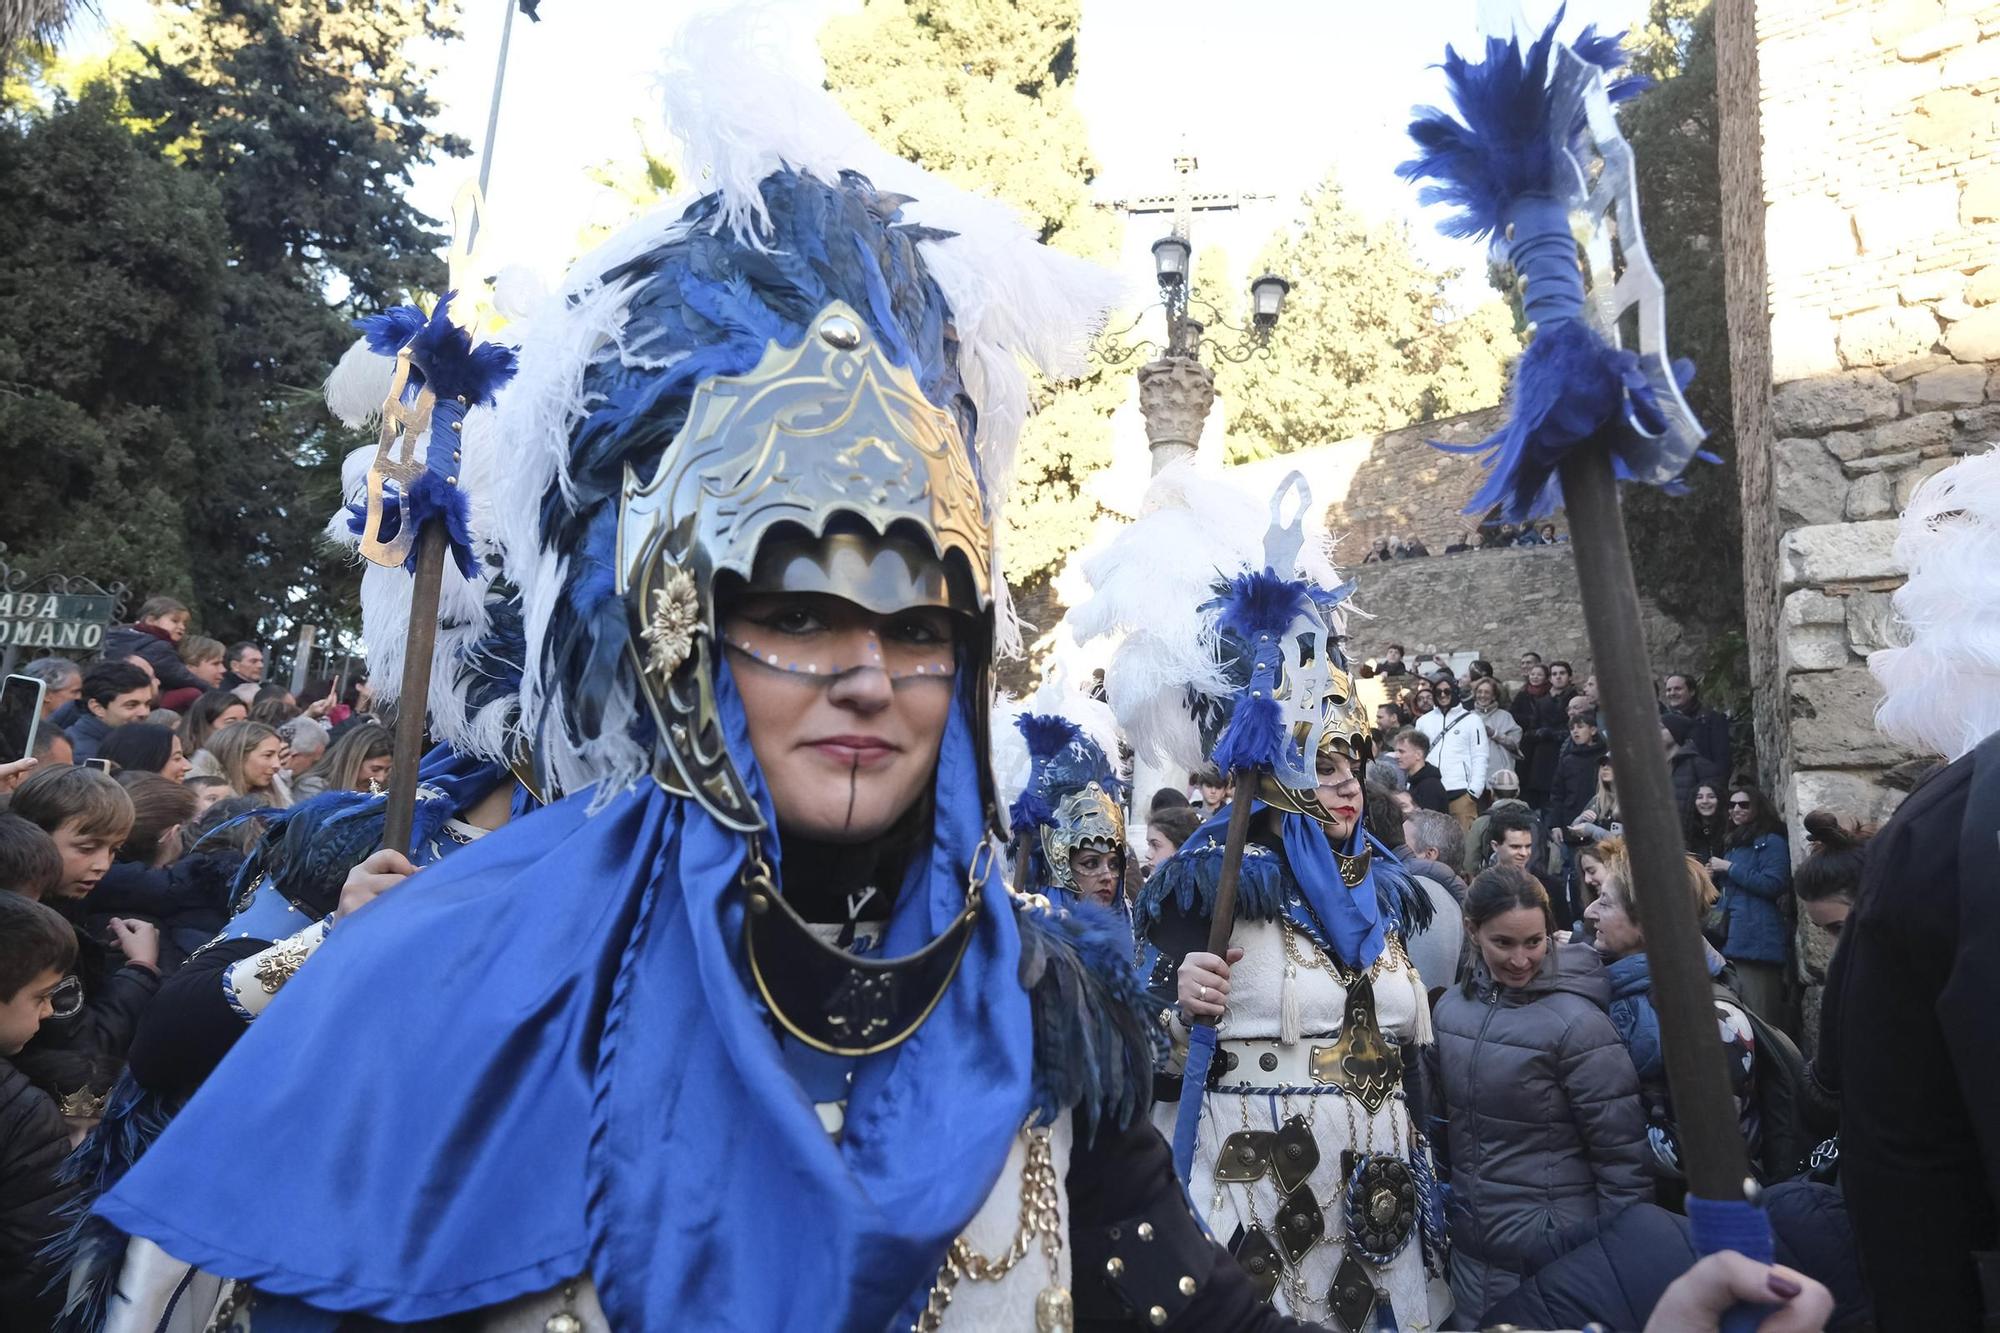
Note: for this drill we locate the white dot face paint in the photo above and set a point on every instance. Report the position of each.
(811, 634)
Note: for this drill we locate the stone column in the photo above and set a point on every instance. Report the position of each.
(1175, 393)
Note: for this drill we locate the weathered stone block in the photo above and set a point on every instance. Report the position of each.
(1907, 482)
(1833, 720)
(1906, 433)
(1920, 288)
(1904, 370)
(1809, 483)
(1956, 120)
(1809, 234)
(1872, 496)
(1802, 343)
(1981, 200)
(1886, 336)
(1974, 338)
(1890, 23)
(1884, 462)
(1810, 606)
(1971, 65)
(1954, 386)
(1981, 424)
(1824, 402)
(1901, 218)
(1945, 35)
(1983, 288)
(1855, 794)
(1814, 648)
(1872, 622)
(1837, 552)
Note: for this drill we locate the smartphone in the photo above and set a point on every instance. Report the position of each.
(20, 716)
(104, 765)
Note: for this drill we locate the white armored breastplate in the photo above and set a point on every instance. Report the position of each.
(1256, 986)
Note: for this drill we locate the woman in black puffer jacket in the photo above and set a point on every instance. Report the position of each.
(1537, 1097)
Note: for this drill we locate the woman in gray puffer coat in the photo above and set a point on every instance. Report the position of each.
(1539, 1100)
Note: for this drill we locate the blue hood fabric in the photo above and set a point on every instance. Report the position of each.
(560, 1018)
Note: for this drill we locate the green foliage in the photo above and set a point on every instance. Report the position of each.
(199, 218)
(633, 187)
(112, 274)
(1688, 551)
(1361, 346)
(1660, 45)
(983, 92)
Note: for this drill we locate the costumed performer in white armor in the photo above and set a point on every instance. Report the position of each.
(1307, 1160)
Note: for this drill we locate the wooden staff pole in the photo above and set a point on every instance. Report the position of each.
(1713, 1156)
(412, 705)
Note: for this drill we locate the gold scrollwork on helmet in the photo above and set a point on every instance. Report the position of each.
(1085, 818)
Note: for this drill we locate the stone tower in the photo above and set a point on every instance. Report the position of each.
(1860, 167)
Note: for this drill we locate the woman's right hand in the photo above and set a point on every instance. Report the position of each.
(1204, 984)
(1698, 1298)
(382, 871)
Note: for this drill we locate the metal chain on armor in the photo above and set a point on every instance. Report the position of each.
(1041, 1219)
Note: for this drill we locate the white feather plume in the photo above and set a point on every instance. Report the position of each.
(1149, 585)
(1942, 692)
(358, 384)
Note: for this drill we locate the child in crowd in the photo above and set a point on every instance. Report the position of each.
(37, 949)
(30, 865)
(89, 816)
(207, 790)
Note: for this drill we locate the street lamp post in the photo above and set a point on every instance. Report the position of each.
(1176, 390)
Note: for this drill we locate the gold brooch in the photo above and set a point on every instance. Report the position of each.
(670, 630)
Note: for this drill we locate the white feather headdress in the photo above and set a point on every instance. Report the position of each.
(1942, 692)
(1152, 588)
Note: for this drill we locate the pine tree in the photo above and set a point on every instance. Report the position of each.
(1362, 345)
(112, 273)
(983, 92)
(307, 119)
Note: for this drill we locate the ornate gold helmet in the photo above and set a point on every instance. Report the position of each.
(1089, 818)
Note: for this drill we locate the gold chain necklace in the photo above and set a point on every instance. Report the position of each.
(1041, 1218)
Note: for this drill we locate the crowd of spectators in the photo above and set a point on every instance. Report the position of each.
(1490, 537)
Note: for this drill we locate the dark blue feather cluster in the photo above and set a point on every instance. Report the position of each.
(1095, 1039)
(1062, 761)
(387, 331)
(88, 1247)
(1503, 144)
(1190, 878)
(1256, 612)
(307, 849)
(452, 366)
(703, 304)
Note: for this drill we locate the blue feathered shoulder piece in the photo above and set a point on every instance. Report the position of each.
(1508, 163)
(307, 849)
(1096, 1043)
(1190, 877)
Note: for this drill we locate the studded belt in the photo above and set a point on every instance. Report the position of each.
(1313, 1061)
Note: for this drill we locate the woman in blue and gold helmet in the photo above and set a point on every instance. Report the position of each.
(744, 1030)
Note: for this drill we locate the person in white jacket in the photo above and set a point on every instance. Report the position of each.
(1460, 747)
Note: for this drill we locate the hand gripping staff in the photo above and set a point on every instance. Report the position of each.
(1534, 159)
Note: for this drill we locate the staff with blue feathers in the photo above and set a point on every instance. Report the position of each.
(1259, 608)
(1534, 147)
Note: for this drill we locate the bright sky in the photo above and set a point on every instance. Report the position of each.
(1277, 91)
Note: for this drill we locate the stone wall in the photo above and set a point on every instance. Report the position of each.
(1870, 144)
(1497, 603)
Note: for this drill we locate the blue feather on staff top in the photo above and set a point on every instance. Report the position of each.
(1258, 609)
(1507, 164)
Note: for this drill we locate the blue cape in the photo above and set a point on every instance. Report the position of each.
(542, 1056)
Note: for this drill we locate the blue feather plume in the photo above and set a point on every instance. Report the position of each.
(389, 330)
(452, 366)
(90, 1249)
(1257, 609)
(1190, 878)
(1503, 143)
